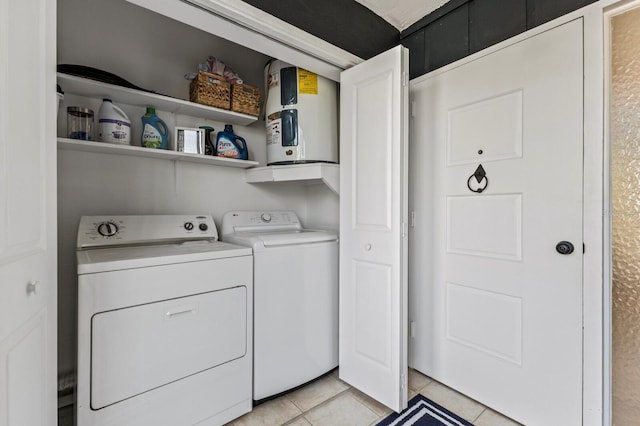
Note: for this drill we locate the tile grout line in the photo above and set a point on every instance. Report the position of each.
(432, 382)
(481, 413)
(325, 402)
(349, 390)
(378, 420)
(302, 411)
(294, 403)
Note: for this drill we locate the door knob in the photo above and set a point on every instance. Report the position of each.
(564, 247)
(367, 247)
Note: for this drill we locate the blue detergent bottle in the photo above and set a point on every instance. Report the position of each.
(155, 133)
(230, 145)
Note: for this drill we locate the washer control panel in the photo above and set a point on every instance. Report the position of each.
(104, 231)
(246, 221)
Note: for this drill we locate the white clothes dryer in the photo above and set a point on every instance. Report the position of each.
(295, 298)
(164, 322)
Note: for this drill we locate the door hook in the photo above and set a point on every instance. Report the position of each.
(480, 176)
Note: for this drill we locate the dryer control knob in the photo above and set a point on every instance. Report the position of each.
(266, 217)
(203, 227)
(188, 226)
(107, 229)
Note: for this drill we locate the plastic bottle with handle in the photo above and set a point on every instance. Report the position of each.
(230, 145)
(155, 133)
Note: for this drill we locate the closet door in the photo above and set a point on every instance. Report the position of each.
(27, 213)
(498, 247)
(373, 222)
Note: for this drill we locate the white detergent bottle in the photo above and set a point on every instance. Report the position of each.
(113, 124)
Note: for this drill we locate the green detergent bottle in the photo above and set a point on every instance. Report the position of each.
(155, 133)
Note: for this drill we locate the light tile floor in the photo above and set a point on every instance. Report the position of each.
(329, 401)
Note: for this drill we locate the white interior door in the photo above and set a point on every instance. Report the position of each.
(500, 308)
(27, 213)
(373, 240)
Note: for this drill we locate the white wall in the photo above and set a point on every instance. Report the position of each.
(323, 208)
(154, 52)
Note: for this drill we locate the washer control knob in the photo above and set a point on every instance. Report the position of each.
(203, 227)
(266, 217)
(188, 226)
(107, 229)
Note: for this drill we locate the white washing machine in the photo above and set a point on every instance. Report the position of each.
(164, 322)
(295, 298)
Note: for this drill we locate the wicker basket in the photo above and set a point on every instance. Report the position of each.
(210, 89)
(245, 98)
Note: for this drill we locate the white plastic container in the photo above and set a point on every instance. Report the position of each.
(301, 116)
(113, 124)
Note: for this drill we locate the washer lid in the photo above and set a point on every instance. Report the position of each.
(300, 237)
(283, 238)
(114, 259)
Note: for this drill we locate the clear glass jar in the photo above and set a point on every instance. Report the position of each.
(80, 123)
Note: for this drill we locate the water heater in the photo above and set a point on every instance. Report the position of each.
(301, 116)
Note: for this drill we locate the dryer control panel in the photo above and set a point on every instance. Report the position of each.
(109, 231)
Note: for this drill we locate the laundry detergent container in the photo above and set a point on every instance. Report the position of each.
(301, 116)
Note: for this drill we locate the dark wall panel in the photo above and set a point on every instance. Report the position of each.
(449, 6)
(415, 44)
(455, 30)
(541, 11)
(462, 27)
(492, 21)
(447, 39)
(344, 23)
